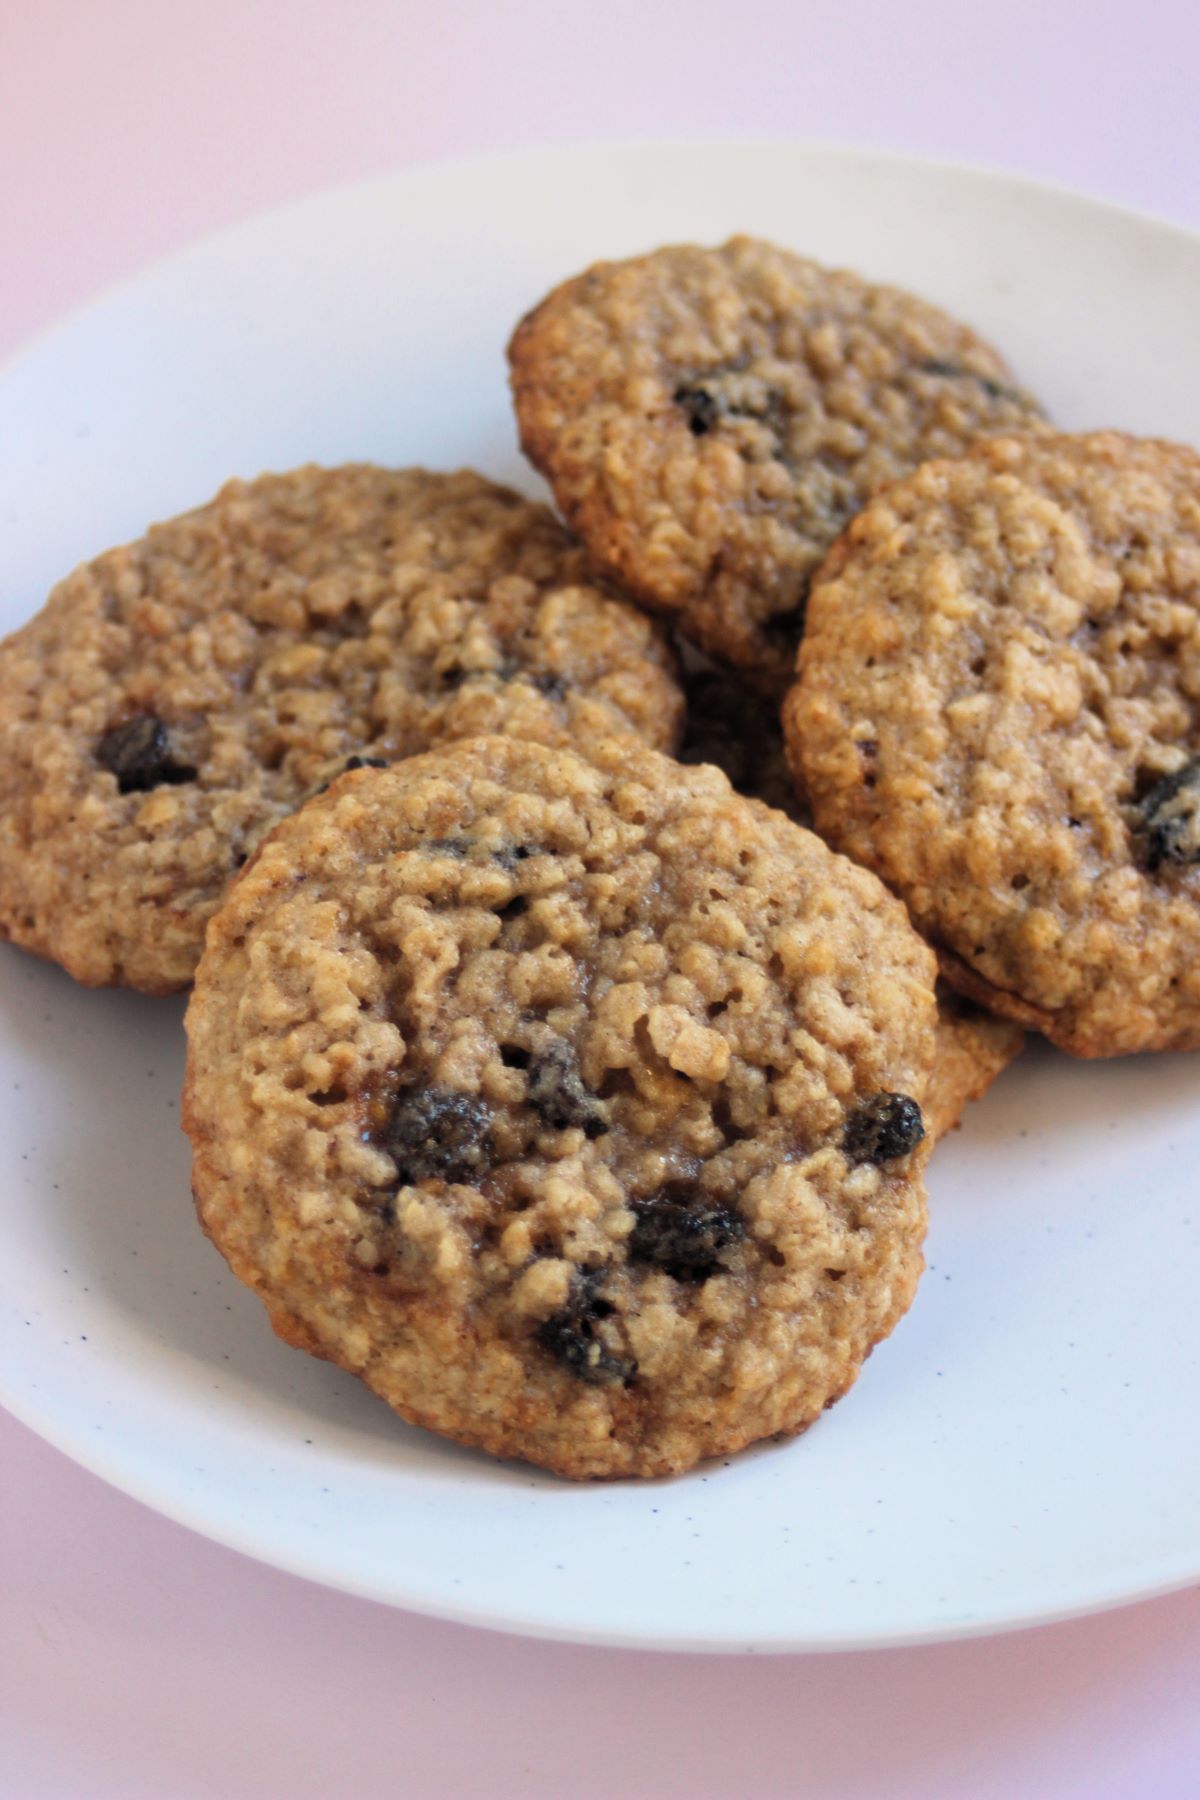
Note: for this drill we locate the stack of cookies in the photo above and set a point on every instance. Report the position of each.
(574, 1094)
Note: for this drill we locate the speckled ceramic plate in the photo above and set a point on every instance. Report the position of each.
(1024, 1447)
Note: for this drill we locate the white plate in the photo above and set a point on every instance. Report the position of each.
(1025, 1446)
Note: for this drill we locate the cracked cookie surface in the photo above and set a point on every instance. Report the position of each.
(177, 696)
(998, 709)
(531, 1090)
(710, 419)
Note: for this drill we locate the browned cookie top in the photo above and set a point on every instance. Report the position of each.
(710, 419)
(176, 697)
(568, 1104)
(999, 710)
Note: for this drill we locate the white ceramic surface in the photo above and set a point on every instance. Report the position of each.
(1024, 1447)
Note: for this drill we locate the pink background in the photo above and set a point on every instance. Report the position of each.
(139, 1660)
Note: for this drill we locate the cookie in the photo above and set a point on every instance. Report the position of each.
(710, 420)
(736, 730)
(567, 1103)
(971, 1048)
(176, 697)
(998, 709)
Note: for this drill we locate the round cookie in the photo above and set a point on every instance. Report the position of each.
(176, 697)
(567, 1103)
(710, 419)
(998, 709)
(737, 731)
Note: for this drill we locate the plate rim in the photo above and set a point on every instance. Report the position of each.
(1159, 1578)
(546, 1629)
(434, 167)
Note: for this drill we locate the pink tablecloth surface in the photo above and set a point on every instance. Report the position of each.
(141, 1661)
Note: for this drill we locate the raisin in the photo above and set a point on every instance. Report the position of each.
(509, 855)
(439, 1132)
(1171, 818)
(884, 1127)
(995, 390)
(556, 1091)
(351, 762)
(139, 754)
(702, 408)
(570, 1335)
(511, 669)
(682, 1233)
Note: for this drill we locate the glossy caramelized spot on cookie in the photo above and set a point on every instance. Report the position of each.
(884, 1127)
(139, 754)
(439, 1133)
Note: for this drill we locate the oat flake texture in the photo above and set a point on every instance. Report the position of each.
(740, 733)
(525, 1087)
(175, 697)
(710, 419)
(998, 709)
